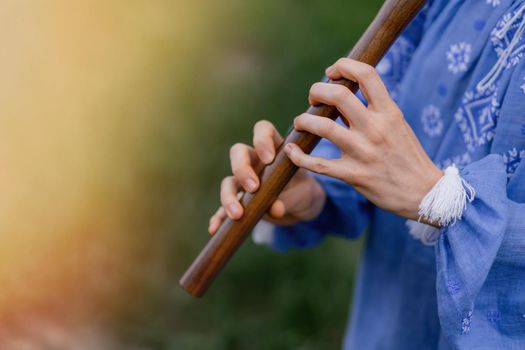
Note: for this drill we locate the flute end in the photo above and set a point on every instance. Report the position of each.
(191, 288)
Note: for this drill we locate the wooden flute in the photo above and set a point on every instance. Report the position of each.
(392, 18)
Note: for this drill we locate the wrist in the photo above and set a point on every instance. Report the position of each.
(426, 182)
(443, 205)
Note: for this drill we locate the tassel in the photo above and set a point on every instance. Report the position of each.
(447, 200)
(443, 205)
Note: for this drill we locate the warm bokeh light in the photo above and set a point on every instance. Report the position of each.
(84, 90)
(115, 121)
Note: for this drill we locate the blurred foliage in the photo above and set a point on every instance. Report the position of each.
(161, 91)
(259, 61)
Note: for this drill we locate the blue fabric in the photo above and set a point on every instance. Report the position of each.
(458, 75)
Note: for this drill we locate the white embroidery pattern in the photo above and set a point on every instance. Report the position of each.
(507, 35)
(458, 57)
(512, 159)
(477, 117)
(432, 121)
(509, 43)
(493, 3)
(523, 86)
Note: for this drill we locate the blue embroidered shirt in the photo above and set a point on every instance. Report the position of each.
(458, 75)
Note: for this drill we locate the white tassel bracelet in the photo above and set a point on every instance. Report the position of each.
(443, 205)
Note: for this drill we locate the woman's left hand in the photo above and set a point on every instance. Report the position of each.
(381, 156)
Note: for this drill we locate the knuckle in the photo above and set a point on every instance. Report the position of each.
(302, 119)
(383, 129)
(261, 144)
(263, 129)
(314, 89)
(320, 166)
(327, 128)
(242, 173)
(225, 200)
(366, 71)
(342, 61)
(262, 123)
(392, 122)
(297, 159)
(226, 181)
(377, 132)
(368, 155)
(228, 199)
(318, 85)
(394, 113)
(376, 136)
(340, 93)
(237, 147)
(237, 171)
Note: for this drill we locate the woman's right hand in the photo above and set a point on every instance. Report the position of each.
(301, 200)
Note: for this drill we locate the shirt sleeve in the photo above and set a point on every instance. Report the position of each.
(467, 251)
(480, 260)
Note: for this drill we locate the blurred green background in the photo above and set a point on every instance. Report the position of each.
(117, 119)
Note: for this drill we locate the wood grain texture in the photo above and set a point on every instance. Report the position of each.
(392, 18)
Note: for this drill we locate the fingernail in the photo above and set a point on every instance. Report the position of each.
(328, 70)
(234, 211)
(251, 185)
(210, 226)
(288, 149)
(267, 157)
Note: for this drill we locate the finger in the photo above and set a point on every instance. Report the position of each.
(229, 199)
(277, 210)
(265, 139)
(323, 127)
(342, 98)
(216, 220)
(242, 159)
(366, 76)
(318, 165)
